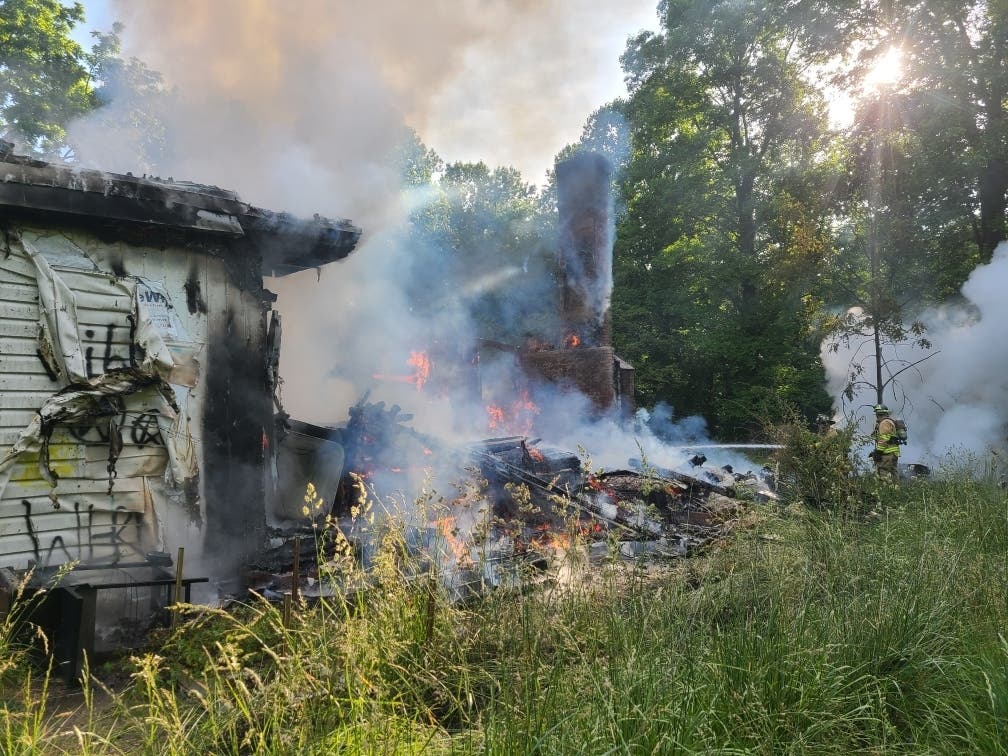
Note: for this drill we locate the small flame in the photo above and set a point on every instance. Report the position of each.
(449, 530)
(421, 364)
(537, 456)
(517, 418)
(547, 537)
(496, 417)
(571, 340)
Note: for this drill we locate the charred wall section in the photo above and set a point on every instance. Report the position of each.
(237, 423)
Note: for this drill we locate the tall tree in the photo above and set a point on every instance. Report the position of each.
(130, 103)
(952, 98)
(44, 76)
(724, 127)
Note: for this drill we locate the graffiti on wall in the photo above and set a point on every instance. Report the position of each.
(118, 537)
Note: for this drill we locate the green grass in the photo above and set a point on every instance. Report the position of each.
(806, 631)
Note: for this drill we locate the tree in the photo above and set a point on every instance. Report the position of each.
(883, 273)
(44, 79)
(725, 128)
(129, 104)
(480, 240)
(952, 98)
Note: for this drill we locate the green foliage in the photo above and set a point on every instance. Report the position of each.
(44, 79)
(718, 257)
(806, 631)
(130, 102)
(483, 243)
(949, 108)
(821, 470)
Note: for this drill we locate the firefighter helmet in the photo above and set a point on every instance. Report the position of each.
(881, 409)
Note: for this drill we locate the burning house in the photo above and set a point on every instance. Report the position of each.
(138, 369)
(139, 359)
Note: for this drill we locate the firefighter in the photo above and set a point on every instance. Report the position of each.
(885, 455)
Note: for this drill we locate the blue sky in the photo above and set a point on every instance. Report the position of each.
(98, 16)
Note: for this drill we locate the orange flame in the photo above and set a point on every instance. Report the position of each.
(571, 340)
(549, 537)
(496, 417)
(421, 364)
(456, 545)
(537, 456)
(516, 419)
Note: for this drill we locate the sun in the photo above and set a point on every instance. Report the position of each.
(886, 72)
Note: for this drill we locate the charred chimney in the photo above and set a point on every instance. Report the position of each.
(584, 200)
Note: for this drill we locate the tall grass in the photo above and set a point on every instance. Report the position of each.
(807, 631)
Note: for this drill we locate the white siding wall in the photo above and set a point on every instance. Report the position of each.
(141, 512)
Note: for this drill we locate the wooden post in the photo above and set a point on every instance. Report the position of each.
(296, 569)
(178, 586)
(285, 611)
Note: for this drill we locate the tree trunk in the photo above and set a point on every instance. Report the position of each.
(747, 248)
(993, 183)
(993, 187)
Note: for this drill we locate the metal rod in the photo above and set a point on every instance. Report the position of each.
(178, 586)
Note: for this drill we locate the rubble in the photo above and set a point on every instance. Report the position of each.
(527, 504)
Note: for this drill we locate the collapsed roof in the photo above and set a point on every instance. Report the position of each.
(285, 243)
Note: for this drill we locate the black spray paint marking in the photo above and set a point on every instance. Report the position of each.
(143, 430)
(110, 359)
(86, 535)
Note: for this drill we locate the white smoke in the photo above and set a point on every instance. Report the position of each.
(955, 402)
(299, 106)
(304, 106)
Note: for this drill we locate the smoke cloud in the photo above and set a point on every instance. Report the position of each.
(304, 107)
(299, 106)
(955, 402)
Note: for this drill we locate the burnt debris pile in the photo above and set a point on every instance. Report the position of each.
(500, 512)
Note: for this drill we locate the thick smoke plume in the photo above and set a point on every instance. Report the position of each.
(304, 107)
(299, 105)
(955, 402)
